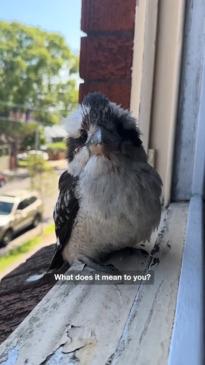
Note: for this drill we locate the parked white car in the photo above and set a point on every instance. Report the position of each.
(18, 210)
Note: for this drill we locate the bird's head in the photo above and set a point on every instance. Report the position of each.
(106, 129)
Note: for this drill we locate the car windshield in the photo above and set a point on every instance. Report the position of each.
(5, 208)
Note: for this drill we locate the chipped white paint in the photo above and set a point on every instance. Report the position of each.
(11, 357)
(88, 324)
(147, 333)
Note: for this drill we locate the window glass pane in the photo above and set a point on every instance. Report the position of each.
(23, 204)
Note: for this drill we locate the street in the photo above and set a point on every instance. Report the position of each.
(48, 197)
(25, 183)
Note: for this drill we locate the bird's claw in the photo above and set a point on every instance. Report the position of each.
(104, 268)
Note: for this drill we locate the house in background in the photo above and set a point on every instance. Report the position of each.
(147, 56)
(22, 116)
(56, 133)
(55, 137)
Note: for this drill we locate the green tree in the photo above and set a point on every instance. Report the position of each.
(23, 134)
(20, 136)
(37, 72)
(32, 130)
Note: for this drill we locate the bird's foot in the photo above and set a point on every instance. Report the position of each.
(104, 268)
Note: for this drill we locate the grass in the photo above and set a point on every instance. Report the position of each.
(16, 253)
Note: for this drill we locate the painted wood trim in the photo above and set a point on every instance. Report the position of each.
(187, 344)
(143, 64)
(108, 324)
(187, 338)
(198, 182)
(189, 100)
(147, 332)
(166, 86)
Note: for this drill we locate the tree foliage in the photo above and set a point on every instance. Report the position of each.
(22, 134)
(37, 72)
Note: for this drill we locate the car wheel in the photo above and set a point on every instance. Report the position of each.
(37, 220)
(7, 237)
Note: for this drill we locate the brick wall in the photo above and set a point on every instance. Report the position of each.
(107, 50)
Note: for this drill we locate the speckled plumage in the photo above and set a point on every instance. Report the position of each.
(116, 191)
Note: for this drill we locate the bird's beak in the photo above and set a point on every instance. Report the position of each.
(95, 138)
(95, 143)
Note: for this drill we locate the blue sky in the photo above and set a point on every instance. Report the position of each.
(62, 16)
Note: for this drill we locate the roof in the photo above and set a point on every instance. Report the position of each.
(55, 131)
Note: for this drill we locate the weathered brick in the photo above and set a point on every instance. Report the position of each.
(108, 15)
(106, 57)
(117, 91)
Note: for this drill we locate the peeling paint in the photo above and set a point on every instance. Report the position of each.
(11, 357)
(78, 324)
(155, 261)
(79, 338)
(73, 340)
(60, 358)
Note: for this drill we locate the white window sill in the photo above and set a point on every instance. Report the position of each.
(110, 324)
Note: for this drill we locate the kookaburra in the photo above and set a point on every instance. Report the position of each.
(109, 197)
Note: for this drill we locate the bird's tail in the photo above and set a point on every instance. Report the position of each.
(57, 261)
